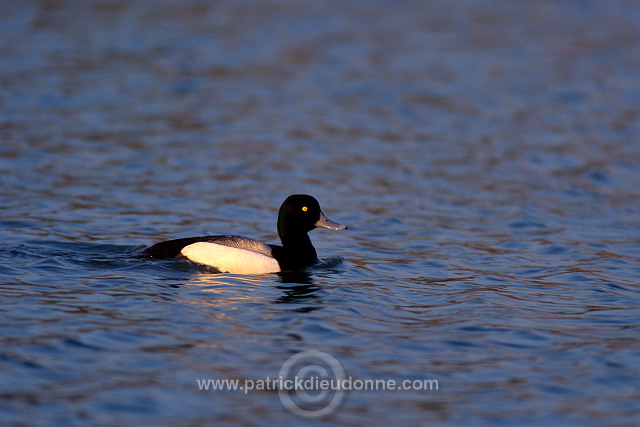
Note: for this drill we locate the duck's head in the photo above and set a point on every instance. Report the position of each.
(301, 213)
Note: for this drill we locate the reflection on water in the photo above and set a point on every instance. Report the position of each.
(297, 288)
(301, 277)
(484, 152)
(301, 294)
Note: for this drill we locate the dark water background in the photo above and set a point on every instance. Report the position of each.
(485, 155)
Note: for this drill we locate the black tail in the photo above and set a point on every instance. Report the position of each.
(171, 248)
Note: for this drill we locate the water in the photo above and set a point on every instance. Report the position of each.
(484, 154)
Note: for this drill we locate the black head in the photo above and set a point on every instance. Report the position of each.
(300, 213)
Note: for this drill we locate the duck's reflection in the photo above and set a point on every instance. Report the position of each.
(302, 277)
(297, 287)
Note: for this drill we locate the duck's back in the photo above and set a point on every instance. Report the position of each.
(234, 254)
(172, 248)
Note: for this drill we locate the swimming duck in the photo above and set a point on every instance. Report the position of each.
(299, 214)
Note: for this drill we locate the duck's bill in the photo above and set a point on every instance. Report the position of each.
(325, 222)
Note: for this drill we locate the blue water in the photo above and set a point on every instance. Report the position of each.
(484, 155)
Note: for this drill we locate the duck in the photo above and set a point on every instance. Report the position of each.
(298, 215)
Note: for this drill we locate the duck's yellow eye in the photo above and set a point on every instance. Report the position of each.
(304, 209)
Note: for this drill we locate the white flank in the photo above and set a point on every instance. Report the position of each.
(230, 260)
